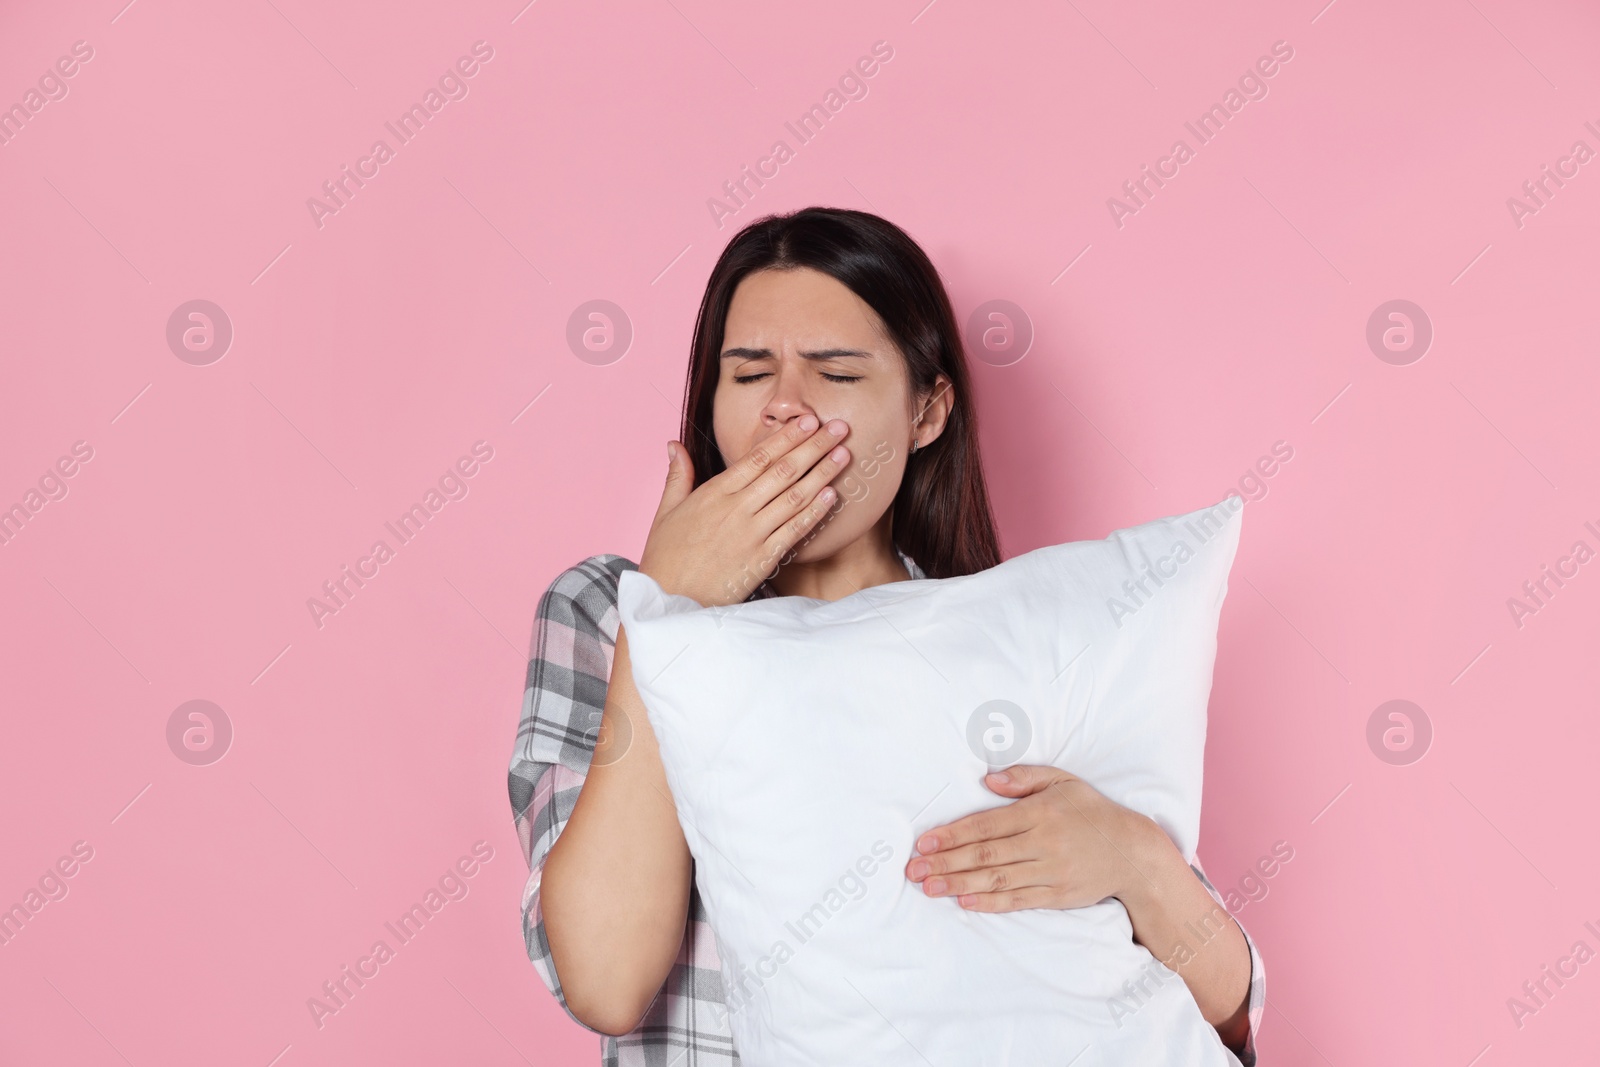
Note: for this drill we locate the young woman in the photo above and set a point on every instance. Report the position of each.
(826, 364)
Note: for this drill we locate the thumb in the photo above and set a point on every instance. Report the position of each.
(1023, 779)
(680, 477)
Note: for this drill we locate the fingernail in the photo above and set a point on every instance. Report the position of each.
(928, 843)
(917, 871)
(670, 454)
(1000, 776)
(808, 423)
(933, 886)
(837, 427)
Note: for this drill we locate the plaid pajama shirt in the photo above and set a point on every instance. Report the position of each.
(569, 669)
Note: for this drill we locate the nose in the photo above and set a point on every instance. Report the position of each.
(788, 400)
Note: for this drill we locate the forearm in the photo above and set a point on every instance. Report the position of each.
(615, 887)
(1184, 927)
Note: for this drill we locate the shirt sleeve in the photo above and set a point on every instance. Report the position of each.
(569, 671)
(1258, 977)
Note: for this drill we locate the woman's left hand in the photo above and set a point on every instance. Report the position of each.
(1062, 844)
(1059, 844)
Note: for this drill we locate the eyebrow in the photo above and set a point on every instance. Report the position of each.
(818, 356)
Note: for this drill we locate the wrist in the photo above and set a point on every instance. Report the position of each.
(1150, 854)
(674, 584)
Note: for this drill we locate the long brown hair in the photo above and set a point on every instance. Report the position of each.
(941, 511)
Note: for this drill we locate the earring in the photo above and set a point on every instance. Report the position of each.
(913, 448)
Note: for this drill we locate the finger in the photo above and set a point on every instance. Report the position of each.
(680, 478)
(764, 453)
(971, 857)
(797, 528)
(1010, 900)
(787, 469)
(787, 504)
(979, 826)
(1010, 876)
(1024, 778)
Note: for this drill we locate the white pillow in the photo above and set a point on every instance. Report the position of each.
(808, 744)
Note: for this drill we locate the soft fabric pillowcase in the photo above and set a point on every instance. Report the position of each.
(808, 744)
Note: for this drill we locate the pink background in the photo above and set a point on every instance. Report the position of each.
(1229, 313)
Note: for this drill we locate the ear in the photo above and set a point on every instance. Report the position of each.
(932, 411)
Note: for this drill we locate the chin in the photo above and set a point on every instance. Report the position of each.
(819, 547)
(828, 540)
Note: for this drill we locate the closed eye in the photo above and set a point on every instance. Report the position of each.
(742, 378)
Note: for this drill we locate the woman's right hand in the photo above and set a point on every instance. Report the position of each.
(717, 542)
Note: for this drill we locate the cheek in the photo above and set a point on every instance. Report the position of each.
(732, 434)
(878, 448)
(867, 486)
(723, 443)
(874, 471)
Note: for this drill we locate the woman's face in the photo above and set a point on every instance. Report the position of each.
(798, 342)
